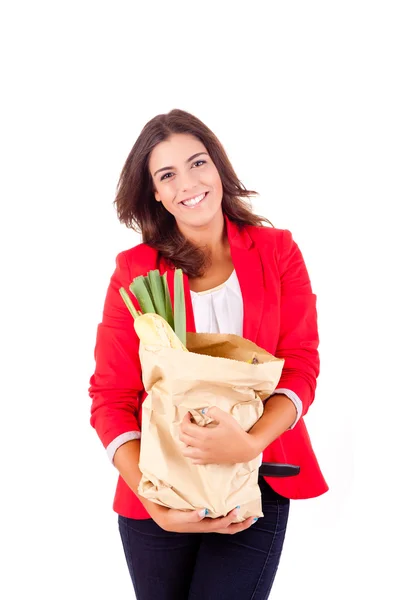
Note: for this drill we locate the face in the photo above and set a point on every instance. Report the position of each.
(186, 182)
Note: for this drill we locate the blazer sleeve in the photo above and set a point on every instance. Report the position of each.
(298, 335)
(117, 380)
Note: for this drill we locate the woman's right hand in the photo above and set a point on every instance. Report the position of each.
(194, 521)
(126, 460)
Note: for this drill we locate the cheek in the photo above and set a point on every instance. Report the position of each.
(167, 193)
(215, 179)
(218, 183)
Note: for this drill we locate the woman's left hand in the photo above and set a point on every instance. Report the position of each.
(224, 442)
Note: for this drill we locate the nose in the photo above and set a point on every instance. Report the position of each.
(188, 181)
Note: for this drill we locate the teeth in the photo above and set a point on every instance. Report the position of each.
(194, 201)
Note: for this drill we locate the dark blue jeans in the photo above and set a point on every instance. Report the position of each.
(210, 566)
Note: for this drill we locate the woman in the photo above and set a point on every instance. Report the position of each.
(180, 191)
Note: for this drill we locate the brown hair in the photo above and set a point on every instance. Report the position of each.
(138, 209)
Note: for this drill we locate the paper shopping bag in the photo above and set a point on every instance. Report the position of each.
(218, 371)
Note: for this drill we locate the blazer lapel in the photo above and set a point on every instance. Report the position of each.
(249, 270)
(248, 265)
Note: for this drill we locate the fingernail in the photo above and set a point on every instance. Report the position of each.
(254, 520)
(204, 410)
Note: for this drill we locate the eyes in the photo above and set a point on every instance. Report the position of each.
(196, 163)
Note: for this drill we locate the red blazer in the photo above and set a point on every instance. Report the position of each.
(279, 315)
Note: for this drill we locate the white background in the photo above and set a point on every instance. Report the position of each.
(305, 98)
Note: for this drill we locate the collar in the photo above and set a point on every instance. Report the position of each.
(238, 237)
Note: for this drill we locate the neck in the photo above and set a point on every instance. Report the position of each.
(211, 237)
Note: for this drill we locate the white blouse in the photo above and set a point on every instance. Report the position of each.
(217, 310)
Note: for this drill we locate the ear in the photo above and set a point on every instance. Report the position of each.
(157, 196)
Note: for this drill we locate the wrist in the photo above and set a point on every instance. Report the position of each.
(156, 511)
(256, 444)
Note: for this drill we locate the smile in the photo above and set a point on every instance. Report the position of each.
(194, 201)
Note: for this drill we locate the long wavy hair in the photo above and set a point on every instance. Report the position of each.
(136, 205)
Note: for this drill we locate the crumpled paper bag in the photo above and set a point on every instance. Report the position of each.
(213, 373)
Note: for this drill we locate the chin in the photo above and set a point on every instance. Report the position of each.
(203, 220)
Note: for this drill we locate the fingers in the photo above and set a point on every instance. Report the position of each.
(200, 515)
(184, 521)
(237, 527)
(193, 430)
(196, 521)
(216, 414)
(186, 419)
(187, 439)
(194, 448)
(194, 453)
(225, 525)
(221, 523)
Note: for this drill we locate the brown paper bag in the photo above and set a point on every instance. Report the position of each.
(213, 373)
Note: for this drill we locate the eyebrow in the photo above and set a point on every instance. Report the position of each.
(188, 160)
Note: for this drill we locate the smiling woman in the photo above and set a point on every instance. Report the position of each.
(181, 164)
(179, 190)
(190, 184)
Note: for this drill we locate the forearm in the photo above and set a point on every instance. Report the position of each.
(126, 460)
(279, 414)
